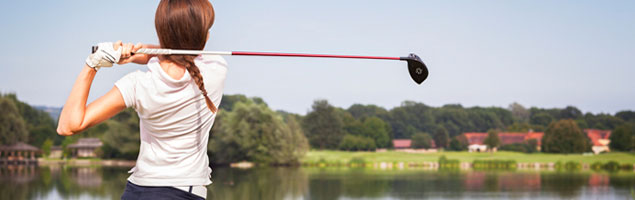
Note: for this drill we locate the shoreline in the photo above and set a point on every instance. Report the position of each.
(86, 162)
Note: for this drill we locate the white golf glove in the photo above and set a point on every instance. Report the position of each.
(105, 56)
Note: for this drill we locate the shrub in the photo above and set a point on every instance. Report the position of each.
(558, 165)
(357, 143)
(596, 165)
(611, 166)
(571, 165)
(627, 166)
(357, 162)
(517, 147)
(421, 140)
(494, 164)
(459, 143)
(565, 136)
(445, 163)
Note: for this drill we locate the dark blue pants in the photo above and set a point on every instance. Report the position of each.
(133, 192)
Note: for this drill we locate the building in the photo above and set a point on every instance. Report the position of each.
(475, 140)
(18, 153)
(599, 139)
(85, 147)
(56, 152)
(402, 143)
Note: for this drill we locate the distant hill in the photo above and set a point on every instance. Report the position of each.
(54, 112)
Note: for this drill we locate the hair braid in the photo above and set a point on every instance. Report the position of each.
(185, 25)
(188, 62)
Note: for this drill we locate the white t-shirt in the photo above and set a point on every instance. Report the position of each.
(174, 122)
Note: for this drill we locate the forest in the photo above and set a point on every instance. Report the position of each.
(247, 129)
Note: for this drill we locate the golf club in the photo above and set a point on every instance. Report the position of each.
(417, 69)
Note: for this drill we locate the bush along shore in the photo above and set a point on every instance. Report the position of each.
(483, 161)
(447, 164)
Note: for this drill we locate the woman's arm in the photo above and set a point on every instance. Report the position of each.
(76, 116)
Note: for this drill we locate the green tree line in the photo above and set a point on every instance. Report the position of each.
(247, 129)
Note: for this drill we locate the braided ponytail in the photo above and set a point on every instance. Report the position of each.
(188, 62)
(184, 24)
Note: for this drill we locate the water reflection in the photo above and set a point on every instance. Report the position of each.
(62, 182)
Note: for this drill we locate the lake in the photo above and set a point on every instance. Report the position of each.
(62, 182)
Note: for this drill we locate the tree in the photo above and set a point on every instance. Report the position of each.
(602, 121)
(323, 127)
(40, 126)
(626, 115)
(492, 140)
(519, 127)
(377, 130)
(459, 143)
(46, 147)
(357, 143)
(622, 138)
(253, 132)
(565, 136)
(361, 111)
(570, 112)
(297, 144)
(542, 119)
(12, 127)
(421, 141)
(120, 135)
(531, 146)
(519, 112)
(441, 138)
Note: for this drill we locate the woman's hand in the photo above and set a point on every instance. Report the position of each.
(127, 53)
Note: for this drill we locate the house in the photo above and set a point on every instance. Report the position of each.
(56, 152)
(402, 143)
(85, 147)
(18, 153)
(599, 139)
(405, 145)
(475, 140)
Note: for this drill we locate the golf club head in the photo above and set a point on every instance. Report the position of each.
(418, 70)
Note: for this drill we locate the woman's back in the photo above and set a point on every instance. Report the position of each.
(174, 122)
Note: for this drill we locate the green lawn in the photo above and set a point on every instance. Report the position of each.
(392, 156)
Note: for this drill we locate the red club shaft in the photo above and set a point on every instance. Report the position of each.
(244, 53)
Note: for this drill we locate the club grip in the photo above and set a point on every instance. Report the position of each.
(95, 48)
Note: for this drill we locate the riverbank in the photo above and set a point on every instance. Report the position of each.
(86, 162)
(315, 156)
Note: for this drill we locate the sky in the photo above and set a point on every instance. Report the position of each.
(480, 53)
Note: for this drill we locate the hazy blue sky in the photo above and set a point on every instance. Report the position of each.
(480, 53)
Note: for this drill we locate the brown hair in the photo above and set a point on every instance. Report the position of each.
(184, 24)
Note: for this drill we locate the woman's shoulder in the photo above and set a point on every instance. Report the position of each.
(133, 77)
(211, 60)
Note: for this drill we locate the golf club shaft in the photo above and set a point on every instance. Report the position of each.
(417, 69)
(245, 53)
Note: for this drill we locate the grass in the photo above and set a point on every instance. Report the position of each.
(314, 156)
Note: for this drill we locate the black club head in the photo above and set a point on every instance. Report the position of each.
(417, 69)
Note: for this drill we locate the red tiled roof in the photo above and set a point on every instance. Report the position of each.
(596, 135)
(536, 136)
(511, 138)
(475, 138)
(401, 143)
(505, 137)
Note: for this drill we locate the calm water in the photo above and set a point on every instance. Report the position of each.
(332, 183)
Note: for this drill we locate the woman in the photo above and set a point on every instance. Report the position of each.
(176, 100)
